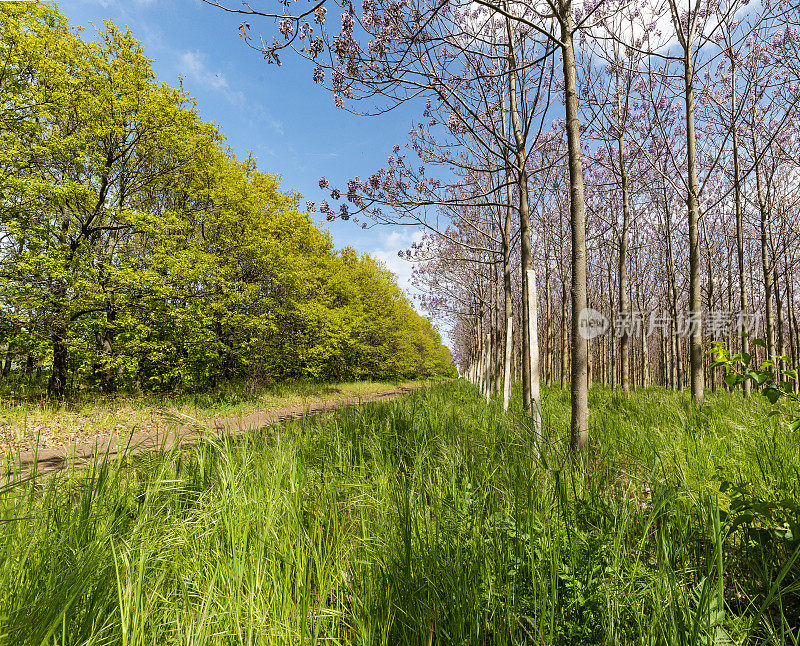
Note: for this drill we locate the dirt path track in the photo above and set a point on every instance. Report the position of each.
(54, 459)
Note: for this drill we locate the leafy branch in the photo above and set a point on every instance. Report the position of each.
(775, 383)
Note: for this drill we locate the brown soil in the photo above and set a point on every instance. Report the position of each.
(21, 463)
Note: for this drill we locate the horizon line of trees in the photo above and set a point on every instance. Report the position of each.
(137, 252)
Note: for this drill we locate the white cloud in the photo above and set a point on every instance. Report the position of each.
(400, 240)
(392, 242)
(193, 67)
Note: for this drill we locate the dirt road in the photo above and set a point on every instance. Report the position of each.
(22, 463)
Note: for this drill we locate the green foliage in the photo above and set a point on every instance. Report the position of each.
(137, 252)
(776, 382)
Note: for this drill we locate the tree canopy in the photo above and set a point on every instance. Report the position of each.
(137, 251)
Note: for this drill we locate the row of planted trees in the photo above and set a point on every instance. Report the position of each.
(646, 261)
(635, 158)
(136, 251)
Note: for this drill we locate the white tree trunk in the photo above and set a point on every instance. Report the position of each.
(507, 362)
(533, 335)
(487, 368)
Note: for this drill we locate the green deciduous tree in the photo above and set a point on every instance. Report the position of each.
(137, 251)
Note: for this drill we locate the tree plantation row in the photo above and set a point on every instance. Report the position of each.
(722, 141)
(638, 244)
(608, 186)
(136, 251)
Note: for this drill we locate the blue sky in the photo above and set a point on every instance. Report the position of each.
(287, 121)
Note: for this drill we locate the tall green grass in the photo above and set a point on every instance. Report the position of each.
(433, 519)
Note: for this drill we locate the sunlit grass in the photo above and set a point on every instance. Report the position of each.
(428, 520)
(26, 417)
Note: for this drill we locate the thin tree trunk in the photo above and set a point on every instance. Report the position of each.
(57, 384)
(710, 296)
(508, 300)
(790, 314)
(507, 362)
(107, 376)
(645, 350)
(495, 332)
(753, 307)
(675, 364)
(548, 369)
(524, 216)
(765, 266)
(8, 359)
(737, 200)
(781, 347)
(579, 426)
(564, 337)
(624, 350)
(697, 380)
(533, 334)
